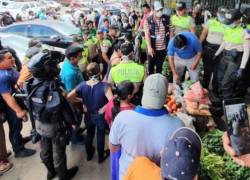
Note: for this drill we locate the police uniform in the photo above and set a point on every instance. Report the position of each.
(127, 70)
(105, 45)
(52, 113)
(214, 39)
(181, 23)
(229, 64)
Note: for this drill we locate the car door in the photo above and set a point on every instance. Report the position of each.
(47, 35)
(17, 29)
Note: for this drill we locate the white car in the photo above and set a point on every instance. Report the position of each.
(20, 44)
(21, 8)
(51, 4)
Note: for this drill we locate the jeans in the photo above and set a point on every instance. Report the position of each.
(3, 150)
(157, 60)
(93, 122)
(15, 128)
(181, 64)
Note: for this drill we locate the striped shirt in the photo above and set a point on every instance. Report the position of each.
(160, 34)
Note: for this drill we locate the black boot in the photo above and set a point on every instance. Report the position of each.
(103, 156)
(51, 170)
(71, 173)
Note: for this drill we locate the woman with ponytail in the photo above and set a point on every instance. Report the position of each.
(121, 102)
(95, 94)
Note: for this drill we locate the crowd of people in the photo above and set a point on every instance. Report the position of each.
(113, 79)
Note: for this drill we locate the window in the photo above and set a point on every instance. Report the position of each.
(42, 31)
(21, 29)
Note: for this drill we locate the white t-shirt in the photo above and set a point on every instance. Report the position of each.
(141, 132)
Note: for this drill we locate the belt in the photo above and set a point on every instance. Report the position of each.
(212, 46)
(232, 53)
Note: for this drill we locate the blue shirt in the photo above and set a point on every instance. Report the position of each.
(71, 75)
(93, 96)
(104, 29)
(142, 132)
(193, 47)
(8, 79)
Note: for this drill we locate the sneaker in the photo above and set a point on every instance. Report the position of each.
(25, 153)
(4, 167)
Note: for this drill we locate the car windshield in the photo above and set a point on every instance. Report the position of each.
(66, 29)
(15, 41)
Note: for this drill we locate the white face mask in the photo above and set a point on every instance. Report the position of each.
(158, 14)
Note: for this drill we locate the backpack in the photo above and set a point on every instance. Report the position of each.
(47, 103)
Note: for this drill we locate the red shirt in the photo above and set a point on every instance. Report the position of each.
(109, 107)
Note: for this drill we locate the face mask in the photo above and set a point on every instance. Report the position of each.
(158, 14)
(221, 19)
(232, 25)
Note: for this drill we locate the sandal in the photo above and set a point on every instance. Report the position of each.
(4, 167)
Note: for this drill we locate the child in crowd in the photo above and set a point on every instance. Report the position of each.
(124, 93)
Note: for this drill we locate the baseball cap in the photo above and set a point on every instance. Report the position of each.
(181, 155)
(72, 50)
(157, 5)
(112, 26)
(180, 6)
(155, 91)
(127, 48)
(35, 42)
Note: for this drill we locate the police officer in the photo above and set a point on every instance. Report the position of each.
(229, 68)
(127, 69)
(52, 113)
(212, 36)
(107, 44)
(181, 21)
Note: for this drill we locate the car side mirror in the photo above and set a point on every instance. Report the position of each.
(55, 38)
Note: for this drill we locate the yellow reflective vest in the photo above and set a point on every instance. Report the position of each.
(181, 21)
(127, 71)
(234, 35)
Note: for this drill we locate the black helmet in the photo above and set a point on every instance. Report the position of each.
(232, 15)
(246, 16)
(44, 64)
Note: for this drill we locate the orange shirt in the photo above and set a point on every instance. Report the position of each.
(143, 168)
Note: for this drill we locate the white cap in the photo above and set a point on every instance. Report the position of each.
(157, 5)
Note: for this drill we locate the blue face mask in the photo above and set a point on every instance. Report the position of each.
(221, 19)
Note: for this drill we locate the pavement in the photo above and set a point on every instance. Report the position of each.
(31, 168)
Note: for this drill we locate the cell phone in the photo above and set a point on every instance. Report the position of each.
(237, 121)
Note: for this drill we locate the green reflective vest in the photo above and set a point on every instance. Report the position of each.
(234, 35)
(143, 45)
(215, 26)
(181, 21)
(127, 71)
